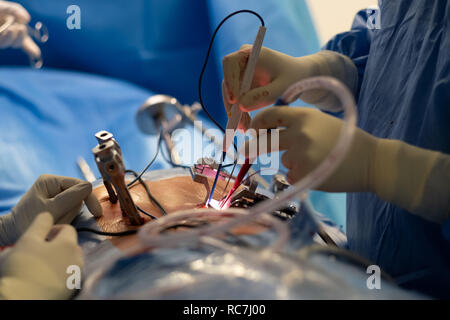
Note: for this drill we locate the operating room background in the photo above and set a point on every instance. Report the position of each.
(333, 17)
(96, 77)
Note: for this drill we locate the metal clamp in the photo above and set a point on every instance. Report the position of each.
(108, 158)
(103, 137)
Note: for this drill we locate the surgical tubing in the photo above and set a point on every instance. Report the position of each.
(150, 236)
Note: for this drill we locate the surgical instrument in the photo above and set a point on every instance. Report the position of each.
(110, 164)
(152, 117)
(236, 112)
(244, 169)
(85, 170)
(103, 137)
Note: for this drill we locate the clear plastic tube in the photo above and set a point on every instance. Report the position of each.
(156, 226)
(150, 234)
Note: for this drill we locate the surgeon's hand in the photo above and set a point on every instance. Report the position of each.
(308, 135)
(36, 268)
(415, 179)
(61, 196)
(16, 35)
(275, 72)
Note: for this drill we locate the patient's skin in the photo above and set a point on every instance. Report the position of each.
(174, 194)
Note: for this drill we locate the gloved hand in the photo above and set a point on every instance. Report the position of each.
(415, 179)
(61, 196)
(276, 71)
(36, 268)
(16, 36)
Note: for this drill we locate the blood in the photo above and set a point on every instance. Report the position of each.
(244, 169)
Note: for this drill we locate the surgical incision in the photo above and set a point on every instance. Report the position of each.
(174, 194)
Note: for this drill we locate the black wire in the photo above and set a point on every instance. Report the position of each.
(228, 165)
(149, 194)
(167, 158)
(130, 232)
(103, 233)
(206, 62)
(200, 80)
(186, 225)
(145, 212)
(158, 146)
(173, 164)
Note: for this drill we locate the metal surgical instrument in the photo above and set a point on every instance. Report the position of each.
(236, 112)
(108, 157)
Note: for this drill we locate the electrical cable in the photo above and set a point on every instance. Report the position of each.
(200, 80)
(103, 233)
(182, 225)
(206, 62)
(138, 177)
(158, 146)
(173, 164)
(131, 232)
(149, 194)
(128, 232)
(145, 212)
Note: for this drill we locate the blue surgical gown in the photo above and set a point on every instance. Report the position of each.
(404, 94)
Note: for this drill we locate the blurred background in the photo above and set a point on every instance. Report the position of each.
(332, 17)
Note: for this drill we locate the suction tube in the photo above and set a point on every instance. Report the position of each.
(150, 235)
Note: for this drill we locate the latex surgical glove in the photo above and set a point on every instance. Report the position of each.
(36, 268)
(415, 179)
(16, 35)
(61, 196)
(275, 72)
